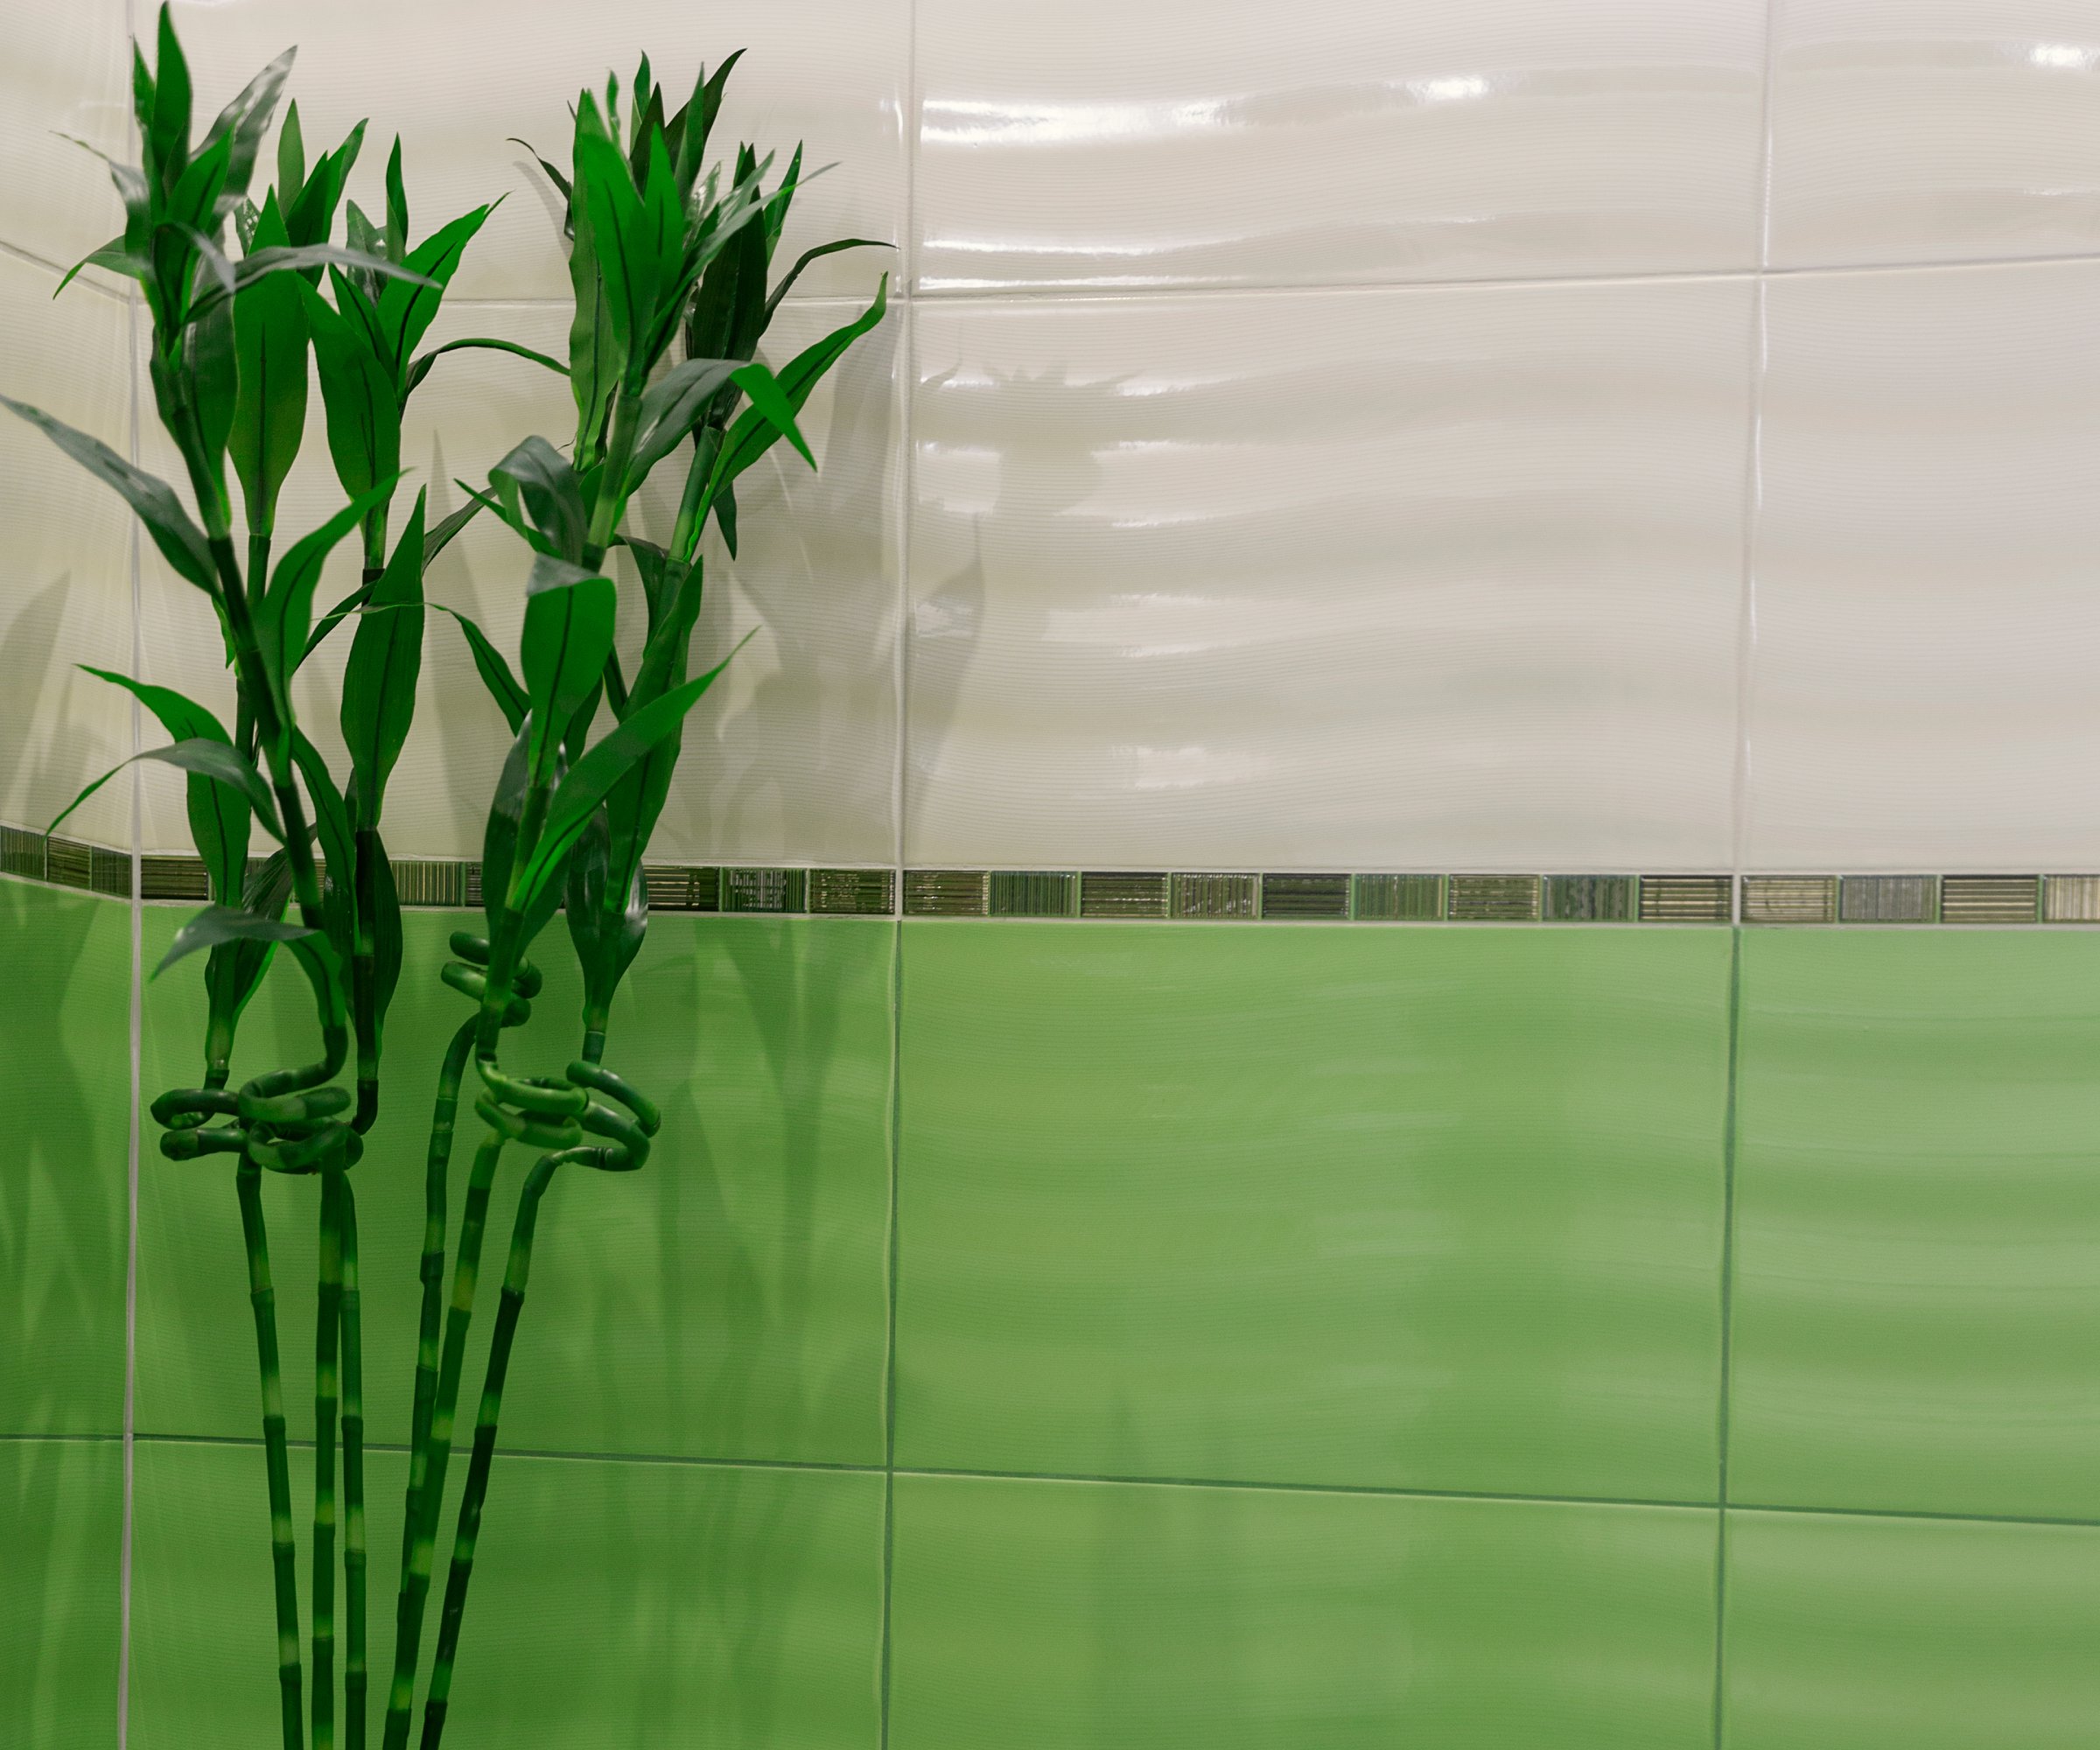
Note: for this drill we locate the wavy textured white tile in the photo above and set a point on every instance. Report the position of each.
(67, 598)
(1909, 130)
(1092, 143)
(1928, 631)
(64, 69)
(457, 78)
(1433, 579)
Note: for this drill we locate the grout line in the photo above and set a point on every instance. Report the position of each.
(1731, 1125)
(1240, 1484)
(120, 294)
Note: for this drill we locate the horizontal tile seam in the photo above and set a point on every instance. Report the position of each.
(1213, 1484)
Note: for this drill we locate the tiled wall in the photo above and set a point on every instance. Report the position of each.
(1508, 435)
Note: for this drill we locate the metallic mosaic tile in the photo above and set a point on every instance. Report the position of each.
(1687, 898)
(181, 877)
(2071, 898)
(1123, 894)
(945, 892)
(1789, 898)
(21, 852)
(858, 892)
(1888, 900)
(1034, 893)
(1305, 896)
(765, 890)
(1989, 898)
(1592, 899)
(421, 883)
(678, 888)
(1217, 896)
(1399, 899)
(1493, 899)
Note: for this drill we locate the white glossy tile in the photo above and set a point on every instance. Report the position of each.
(1440, 579)
(456, 80)
(1928, 631)
(64, 69)
(1093, 142)
(791, 758)
(1912, 130)
(67, 594)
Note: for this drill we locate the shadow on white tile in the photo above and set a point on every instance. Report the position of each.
(1917, 131)
(1928, 628)
(64, 69)
(1436, 578)
(1216, 141)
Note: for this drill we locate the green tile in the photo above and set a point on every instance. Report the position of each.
(1850, 1633)
(61, 1546)
(614, 1601)
(65, 1037)
(1120, 1616)
(727, 1300)
(1417, 1208)
(1917, 1257)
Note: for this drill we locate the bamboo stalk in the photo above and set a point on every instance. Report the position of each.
(326, 1387)
(476, 1492)
(437, 1446)
(248, 1184)
(354, 1677)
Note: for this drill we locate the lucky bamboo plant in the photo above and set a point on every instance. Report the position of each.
(664, 256)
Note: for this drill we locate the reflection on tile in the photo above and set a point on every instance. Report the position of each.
(1909, 130)
(64, 70)
(1367, 579)
(1504, 139)
(1425, 1209)
(836, 80)
(792, 756)
(727, 1300)
(1927, 628)
(67, 598)
(1917, 1226)
(62, 1530)
(684, 1603)
(65, 1031)
(1041, 1614)
(1910, 1634)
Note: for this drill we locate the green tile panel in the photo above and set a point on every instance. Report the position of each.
(62, 1553)
(1917, 1307)
(1435, 1210)
(1042, 1615)
(66, 1063)
(728, 1301)
(614, 1601)
(1852, 1633)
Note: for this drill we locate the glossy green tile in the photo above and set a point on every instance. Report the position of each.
(1850, 1633)
(1139, 1617)
(1917, 1256)
(728, 1301)
(1422, 1209)
(66, 1043)
(615, 1601)
(61, 1546)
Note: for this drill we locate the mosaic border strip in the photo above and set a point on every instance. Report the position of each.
(1270, 896)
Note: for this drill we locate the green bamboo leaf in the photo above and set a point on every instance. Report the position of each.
(771, 404)
(441, 534)
(421, 368)
(623, 232)
(217, 924)
(397, 207)
(553, 174)
(595, 359)
(672, 406)
(310, 215)
(218, 821)
(724, 320)
(809, 255)
(407, 309)
(779, 201)
(379, 682)
(353, 302)
(179, 540)
(332, 816)
(546, 481)
(579, 795)
(295, 257)
(269, 412)
(286, 613)
(608, 914)
(216, 759)
(510, 511)
(692, 145)
(495, 674)
(568, 615)
(245, 120)
(385, 924)
(499, 847)
(357, 390)
(167, 127)
(234, 971)
(292, 158)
